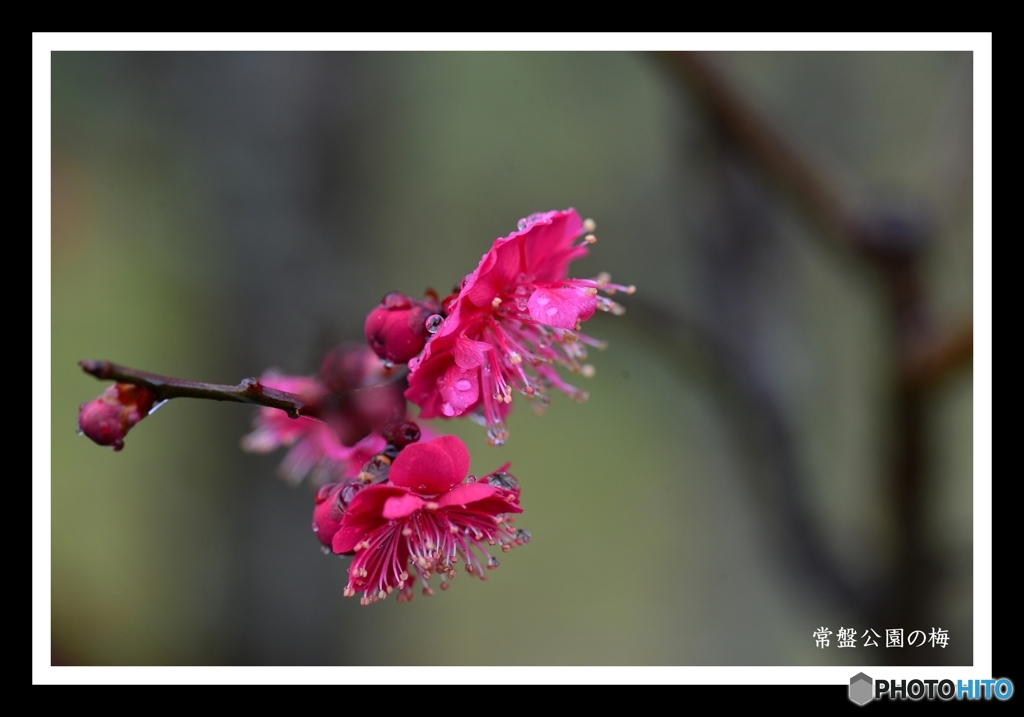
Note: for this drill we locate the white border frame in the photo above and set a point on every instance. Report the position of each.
(45, 43)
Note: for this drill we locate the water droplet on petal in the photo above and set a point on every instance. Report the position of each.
(316, 528)
(503, 480)
(433, 323)
(349, 492)
(447, 409)
(323, 493)
(463, 384)
(325, 550)
(552, 311)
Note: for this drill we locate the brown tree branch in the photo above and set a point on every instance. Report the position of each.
(249, 390)
(893, 240)
(929, 363)
(747, 129)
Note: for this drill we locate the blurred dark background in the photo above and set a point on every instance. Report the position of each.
(778, 437)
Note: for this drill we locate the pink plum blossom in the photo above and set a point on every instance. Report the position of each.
(359, 399)
(514, 319)
(423, 520)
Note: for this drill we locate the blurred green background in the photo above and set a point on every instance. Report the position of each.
(216, 214)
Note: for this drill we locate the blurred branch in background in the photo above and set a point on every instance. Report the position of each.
(893, 242)
(703, 351)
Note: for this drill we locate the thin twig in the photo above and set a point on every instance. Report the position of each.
(249, 390)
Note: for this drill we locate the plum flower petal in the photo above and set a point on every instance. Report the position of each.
(466, 493)
(402, 506)
(364, 514)
(469, 353)
(432, 467)
(459, 389)
(562, 308)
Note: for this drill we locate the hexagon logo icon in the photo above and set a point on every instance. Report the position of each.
(861, 691)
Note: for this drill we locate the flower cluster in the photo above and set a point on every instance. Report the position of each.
(390, 494)
(406, 510)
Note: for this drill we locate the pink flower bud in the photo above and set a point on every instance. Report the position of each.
(401, 433)
(107, 419)
(396, 330)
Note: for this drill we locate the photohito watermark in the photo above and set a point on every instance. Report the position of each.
(863, 689)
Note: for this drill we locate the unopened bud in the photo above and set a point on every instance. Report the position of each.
(331, 501)
(108, 418)
(396, 329)
(401, 433)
